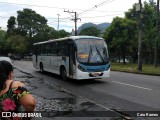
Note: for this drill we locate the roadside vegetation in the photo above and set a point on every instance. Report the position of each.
(24, 30)
(132, 68)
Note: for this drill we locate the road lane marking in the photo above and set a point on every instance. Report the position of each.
(132, 85)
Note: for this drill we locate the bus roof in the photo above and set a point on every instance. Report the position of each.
(66, 38)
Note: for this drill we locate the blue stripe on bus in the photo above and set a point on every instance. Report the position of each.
(98, 68)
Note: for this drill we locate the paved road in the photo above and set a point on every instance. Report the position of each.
(122, 91)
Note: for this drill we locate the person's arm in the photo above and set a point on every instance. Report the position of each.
(28, 102)
(25, 98)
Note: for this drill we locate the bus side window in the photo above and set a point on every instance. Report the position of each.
(47, 49)
(66, 49)
(42, 49)
(57, 48)
(62, 50)
(53, 46)
(37, 49)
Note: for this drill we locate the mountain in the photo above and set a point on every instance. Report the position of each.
(101, 26)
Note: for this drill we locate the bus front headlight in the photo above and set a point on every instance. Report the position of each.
(81, 68)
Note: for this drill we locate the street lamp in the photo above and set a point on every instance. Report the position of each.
(58, 22)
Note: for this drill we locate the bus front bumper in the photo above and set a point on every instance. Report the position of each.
(92, 75)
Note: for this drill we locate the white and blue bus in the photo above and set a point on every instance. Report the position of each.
(76, 57)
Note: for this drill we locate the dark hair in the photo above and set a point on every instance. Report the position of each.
(5, 68)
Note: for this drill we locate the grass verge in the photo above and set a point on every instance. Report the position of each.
(132, 68)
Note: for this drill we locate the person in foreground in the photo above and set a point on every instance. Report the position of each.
(13, 94)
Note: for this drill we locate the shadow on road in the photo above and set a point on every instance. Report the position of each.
(73, 81)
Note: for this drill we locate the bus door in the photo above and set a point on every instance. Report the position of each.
(71, 59)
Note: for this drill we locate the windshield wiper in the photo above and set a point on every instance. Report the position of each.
(90, 52)
(99, 53)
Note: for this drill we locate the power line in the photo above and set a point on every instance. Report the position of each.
(63, 20)
(45, 17)
(53, 7)
(67, 19)
(50, 23)
(102, 3)
(102, 16)
(96, 6)
(74, 19)
(58, 8)
(32, 5)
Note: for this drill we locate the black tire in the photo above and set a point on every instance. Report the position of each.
(41, 68)
(63, 74)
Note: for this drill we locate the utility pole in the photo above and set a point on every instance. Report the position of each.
(156, 41)
(75, 20)
(140, 38)
(58, 22)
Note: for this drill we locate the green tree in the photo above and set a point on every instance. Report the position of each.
(43, 35)
(50, 33)
(30, 24)
(2, 42)
(32, 28)
(148, 23)
(133, 15)
(120, 35)
(62, 33)
(91, 31)
(11, 26)
(15, 44)
(53, 34)
(149, 29)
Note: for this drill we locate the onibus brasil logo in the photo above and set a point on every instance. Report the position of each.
(12, 114)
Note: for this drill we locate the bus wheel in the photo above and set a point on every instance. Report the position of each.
(41, 68)
(63, 73)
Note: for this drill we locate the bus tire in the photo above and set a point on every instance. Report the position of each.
(41, 68)
(63, 73)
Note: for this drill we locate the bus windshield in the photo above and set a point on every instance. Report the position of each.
(92, 51)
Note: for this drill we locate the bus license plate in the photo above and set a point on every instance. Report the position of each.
(95, 74)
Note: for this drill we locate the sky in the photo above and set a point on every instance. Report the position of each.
(95, 11)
